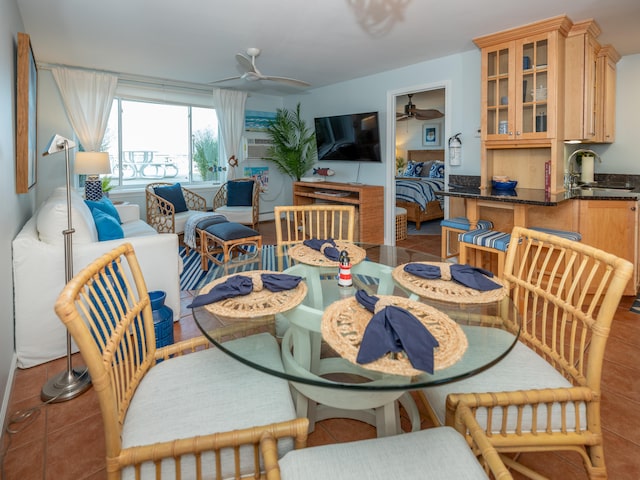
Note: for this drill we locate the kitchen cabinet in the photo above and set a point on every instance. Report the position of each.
(612, 226)
(590, 71)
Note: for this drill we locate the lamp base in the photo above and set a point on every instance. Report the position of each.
(66, 385)
(93, 189)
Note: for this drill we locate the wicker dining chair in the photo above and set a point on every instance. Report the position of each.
(163, 214)
(437, 453)
(297, 223)
(167, 414)
(545, 394)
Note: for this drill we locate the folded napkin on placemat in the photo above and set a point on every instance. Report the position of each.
(326, 247)
(472, 277)
(394, 329)
(238, 285)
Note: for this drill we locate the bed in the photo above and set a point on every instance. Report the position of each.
(417, 194)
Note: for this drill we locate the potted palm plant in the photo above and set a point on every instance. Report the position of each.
(293, 147)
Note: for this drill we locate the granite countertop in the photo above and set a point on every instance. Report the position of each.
(531, 196)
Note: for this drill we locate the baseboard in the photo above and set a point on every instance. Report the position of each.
(6, 396)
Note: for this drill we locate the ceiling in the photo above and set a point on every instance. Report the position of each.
(322, 43)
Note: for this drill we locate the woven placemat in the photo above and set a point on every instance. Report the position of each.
(257, 303)
(304, 254)
(344, 323)
(446, 290)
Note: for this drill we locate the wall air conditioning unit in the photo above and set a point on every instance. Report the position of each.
(256, 148)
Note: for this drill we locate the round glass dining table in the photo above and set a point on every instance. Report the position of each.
(318, 355)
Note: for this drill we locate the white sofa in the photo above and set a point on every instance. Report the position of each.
(38, 269)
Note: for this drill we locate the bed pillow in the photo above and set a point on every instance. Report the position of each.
(172, 194)
(414, 169)
(437, 170)
(426, 168)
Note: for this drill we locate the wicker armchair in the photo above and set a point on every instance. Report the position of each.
(297, 223)
(166, 414)
(432, 453)
(162, 215)
(545, 395)
(246, 215)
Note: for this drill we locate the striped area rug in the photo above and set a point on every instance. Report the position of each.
(635, 308)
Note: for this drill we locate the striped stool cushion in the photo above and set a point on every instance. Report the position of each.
(575, 236)
(487, 238)
(462, 223)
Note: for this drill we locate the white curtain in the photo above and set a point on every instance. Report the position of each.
(87, 98)
(229, 106)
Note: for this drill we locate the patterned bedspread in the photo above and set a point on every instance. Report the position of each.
(420, 191)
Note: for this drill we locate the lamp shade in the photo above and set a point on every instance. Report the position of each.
(92, 163)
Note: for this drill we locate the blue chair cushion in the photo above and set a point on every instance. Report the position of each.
(172, 194)
(487, 238)
(106, 206)
(231, 231)
(108, 227)
(575, 236)
(462, 223)
(240, 193)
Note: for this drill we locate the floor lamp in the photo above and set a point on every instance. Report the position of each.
(72, 382)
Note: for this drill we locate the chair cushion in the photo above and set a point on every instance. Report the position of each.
(487, 238)
(462, 223)
(108, 227)
(106, 206)
(436, 453)
(206, 392)
(172, 194)
(521, 369)
(231, 231)
(237, 214)
(575, 236)
(240, 193)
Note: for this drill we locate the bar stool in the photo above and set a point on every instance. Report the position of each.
(457, 225)
(575, 236)
(476, 242)
(401, 223)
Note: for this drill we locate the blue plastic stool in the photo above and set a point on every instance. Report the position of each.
(457, 225)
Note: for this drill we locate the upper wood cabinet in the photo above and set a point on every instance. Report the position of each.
(590, 72)
(521, 81)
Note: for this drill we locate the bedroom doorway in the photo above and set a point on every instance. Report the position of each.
(418, 127)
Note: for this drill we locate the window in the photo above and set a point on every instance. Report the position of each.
(150, 142)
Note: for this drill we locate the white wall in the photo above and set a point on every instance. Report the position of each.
(16, 209)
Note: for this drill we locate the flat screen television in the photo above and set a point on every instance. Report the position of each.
(354, 137)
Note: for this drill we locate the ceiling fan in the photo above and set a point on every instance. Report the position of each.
(411, 111)
(248, 63)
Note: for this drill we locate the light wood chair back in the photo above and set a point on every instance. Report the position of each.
(567, 294)
(221, 196)
(161, 214)
(297, 223)
(107, 311)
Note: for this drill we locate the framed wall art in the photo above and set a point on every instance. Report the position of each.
(26, 100)
(432, 135)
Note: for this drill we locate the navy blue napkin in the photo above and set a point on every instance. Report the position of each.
(472, 277)
(331, 252)
(394, 329)
(238, 285)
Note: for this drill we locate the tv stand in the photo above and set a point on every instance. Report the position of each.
(368, 200)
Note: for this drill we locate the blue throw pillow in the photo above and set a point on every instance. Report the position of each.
(108, 227)
(437, 170)
(414, 169)
(239, 193)
(172, 194)
(106, 206)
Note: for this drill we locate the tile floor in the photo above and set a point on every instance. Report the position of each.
(65, 441)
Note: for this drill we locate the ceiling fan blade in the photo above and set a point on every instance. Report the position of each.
(289, 81)
(428, 114)
(226, 79)
(402, 117)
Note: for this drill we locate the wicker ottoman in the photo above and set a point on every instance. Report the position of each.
(222, 238)
(401, 223)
